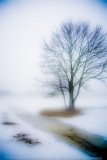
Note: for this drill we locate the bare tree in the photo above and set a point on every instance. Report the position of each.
(75, 54)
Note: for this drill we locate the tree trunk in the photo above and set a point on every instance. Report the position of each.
(71, 101)
(71, 96)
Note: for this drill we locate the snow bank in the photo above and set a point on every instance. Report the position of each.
(50, 147)
(93, 120)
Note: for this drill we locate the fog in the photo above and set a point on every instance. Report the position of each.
(24, 24)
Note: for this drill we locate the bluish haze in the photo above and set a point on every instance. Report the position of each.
(23, 25)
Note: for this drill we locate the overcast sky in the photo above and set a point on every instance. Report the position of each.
(23, 25)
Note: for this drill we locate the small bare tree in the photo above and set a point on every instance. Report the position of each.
(75, 54)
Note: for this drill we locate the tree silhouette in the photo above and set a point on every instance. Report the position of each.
(75, 54)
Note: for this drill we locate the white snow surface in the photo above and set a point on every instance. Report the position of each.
(92, 120)
(51, 146)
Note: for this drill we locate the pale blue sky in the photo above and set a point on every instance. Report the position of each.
(23, 24)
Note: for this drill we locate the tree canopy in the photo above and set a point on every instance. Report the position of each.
(75, 54)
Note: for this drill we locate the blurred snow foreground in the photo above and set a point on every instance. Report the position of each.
(18, 116)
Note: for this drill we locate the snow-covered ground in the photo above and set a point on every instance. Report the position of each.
(51, 146)
(93, 120)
